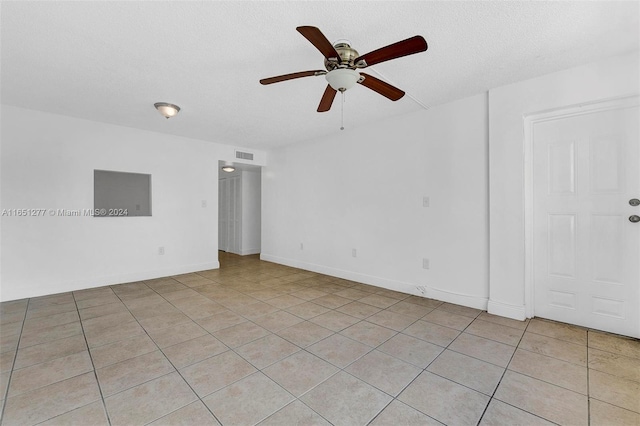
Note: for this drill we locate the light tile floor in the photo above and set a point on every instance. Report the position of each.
(260, 343)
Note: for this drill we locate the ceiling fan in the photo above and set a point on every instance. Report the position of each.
(342, 62)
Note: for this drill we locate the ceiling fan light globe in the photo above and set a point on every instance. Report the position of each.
(342, 78)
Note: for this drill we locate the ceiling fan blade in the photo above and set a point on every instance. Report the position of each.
(327, 99)
(402, 48)
(385, 89)
(315, 36)
(291, 76)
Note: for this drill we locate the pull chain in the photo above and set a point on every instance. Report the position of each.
(342, 111)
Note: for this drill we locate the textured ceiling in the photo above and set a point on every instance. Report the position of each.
(110, 61)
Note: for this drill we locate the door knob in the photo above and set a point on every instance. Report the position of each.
(634, 218)
(634, 202)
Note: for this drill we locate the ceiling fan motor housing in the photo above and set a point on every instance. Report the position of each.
(347, 56)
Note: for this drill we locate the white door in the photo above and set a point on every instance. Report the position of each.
(586, 255)
(230, 214)
(235, 215)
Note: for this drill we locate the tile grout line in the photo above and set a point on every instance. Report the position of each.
(258, 370)
(371, 350)
(168, 360)
(492, 397)
(339, 369)
(396, 332)
(395, 398)
(127, 338)
(15, 358)
(445, 349)
(295, 398)
(305, 350)
(43, 362)
(249, 362)
(551, 356)
(95, 372)
(506, 368)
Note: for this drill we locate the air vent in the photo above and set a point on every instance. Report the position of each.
(244, 155)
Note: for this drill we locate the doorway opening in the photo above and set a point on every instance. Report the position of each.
(239, 209)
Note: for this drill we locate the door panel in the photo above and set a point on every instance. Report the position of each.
(606, 250)
(607, 165)
(586, 252)
(562, 245)
(562, 167)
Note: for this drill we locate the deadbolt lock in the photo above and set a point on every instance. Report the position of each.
(634, 202)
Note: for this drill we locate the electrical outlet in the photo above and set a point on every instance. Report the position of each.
(354, 253)
(301, 246)
(161, 250)
(425, 263)
(425, 201)
(422, 289)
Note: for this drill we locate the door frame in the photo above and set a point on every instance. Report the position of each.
(622, 102)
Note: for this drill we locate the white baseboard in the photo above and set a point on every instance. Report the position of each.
(91, 282)
(476, 302)
(405, 287)
(516, 312)
(249, 251)
(335, 272)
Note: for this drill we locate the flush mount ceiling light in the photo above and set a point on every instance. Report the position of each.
(166, 109)
(228, 169)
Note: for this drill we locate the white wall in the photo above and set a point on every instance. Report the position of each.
(364, 189)
(48, 162)
(251, 217)
(507, 106)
